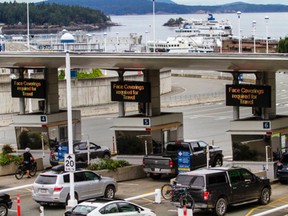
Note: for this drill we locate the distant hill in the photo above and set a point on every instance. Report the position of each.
(126, 7)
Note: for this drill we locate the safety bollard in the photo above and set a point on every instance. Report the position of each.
(158, 196)
(41, 210)
(18, 205)
(185, 211)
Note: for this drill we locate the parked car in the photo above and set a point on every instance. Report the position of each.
(5, 204)
(219, 187)
(282, 168)
(58, 151)
(53, 186)
(167, 162)
(108, 207)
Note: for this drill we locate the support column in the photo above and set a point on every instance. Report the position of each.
(52, 89)
(257, 111)
(269, 79)
(121, 104)
(21, 100)
(236, 112)
(154, 107)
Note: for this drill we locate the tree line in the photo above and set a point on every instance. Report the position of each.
(13, 13)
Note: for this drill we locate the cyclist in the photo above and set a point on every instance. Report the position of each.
(28, 159)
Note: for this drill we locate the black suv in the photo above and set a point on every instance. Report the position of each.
(216, 188)
(5, 204)
(282, 168)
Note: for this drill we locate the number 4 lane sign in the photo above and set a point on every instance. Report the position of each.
(70, 162)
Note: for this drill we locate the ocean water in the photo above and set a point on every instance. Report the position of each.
(276, 27)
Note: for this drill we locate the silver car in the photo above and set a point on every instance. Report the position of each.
(53, 186)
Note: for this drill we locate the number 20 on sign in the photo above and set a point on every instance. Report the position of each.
(70, 162)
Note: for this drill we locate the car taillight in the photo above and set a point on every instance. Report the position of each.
(205, 195)
(57, 189)
(170, 163)
(51, 153)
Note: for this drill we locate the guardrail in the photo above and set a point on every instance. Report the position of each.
(271, 210)
(157, 194)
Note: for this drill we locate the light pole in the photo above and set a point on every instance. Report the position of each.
(28, 27)
(154, 33)
(239, 30)
(68, 38)
(105, 41)
(117, 41)
(266, 21)
(254, 35)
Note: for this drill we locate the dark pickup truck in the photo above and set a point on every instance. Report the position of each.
(166, 163)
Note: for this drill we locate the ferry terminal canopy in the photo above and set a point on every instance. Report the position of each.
(234, 62)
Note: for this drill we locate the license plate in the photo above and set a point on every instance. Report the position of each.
(157, 169)
(44, 191)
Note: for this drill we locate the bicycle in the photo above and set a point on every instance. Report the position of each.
(167, 191)
(21, 170)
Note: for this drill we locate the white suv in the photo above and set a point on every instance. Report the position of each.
(53, 186)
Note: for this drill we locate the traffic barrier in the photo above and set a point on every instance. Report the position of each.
(41, 210)
(185, 211)
(18, 205)
(157, 194)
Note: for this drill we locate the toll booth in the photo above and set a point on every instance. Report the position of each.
(38, 131)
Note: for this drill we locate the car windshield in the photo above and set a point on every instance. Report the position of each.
(46, 179)
(83, 209)
(187, 180)
(175, 148)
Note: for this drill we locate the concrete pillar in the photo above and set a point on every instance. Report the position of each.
(121, 104)
(270, 80)
(236, 112)
(21, 100)
(52, 98)
(154, 107)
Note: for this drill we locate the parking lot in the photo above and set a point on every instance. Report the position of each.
(137, 187)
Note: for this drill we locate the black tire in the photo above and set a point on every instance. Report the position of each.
(3, 209)
(218, 161)
(155, 176)
(19, 173)
(186, 200)
(264, 198)
(33, 170)
(106, 156)
(167, 191)
(109, 192)
(68, 198)
(221, 207)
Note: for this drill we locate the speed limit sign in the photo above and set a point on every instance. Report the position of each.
(69, 162)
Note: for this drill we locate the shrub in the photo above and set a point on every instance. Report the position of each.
(110, 164)
(6, 158)
(7, 149)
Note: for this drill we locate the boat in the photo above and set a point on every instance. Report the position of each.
(197, 36)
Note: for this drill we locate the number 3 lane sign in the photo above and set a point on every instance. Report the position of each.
(70, 162)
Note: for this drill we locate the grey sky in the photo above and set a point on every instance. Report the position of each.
(198, 2)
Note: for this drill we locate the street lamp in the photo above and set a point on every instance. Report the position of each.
(105, 41)
(266, 21)
(28, 27)
(254, 35)
(239, 31)
(68, 38)
(154, 33)
(117, 41)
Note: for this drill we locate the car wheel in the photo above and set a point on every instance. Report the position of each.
(109, 192)
(3, 209)
(218, 161)
(106, 156)
(221, 207)
(155, 176)
(265, 196)
(68, 198)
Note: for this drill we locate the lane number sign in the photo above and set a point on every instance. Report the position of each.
(69, 162)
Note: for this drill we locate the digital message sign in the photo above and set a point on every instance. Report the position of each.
(28, 88)
(131, 91)
(248, 95)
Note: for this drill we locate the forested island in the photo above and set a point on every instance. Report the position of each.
(50, 18)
